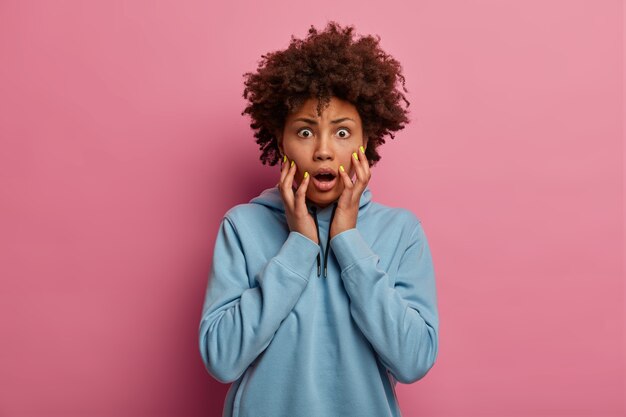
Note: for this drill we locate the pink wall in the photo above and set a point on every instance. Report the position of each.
(122, 144)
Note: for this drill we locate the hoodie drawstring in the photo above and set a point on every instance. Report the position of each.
(314, 209)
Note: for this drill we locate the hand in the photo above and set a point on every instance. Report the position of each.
(348, 204)
(298, 217)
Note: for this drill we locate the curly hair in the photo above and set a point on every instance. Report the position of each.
(323, 65)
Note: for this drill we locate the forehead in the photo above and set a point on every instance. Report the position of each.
(335, 108)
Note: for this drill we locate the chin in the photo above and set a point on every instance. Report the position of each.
(325, 199)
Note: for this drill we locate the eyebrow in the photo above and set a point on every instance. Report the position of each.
(313, 122)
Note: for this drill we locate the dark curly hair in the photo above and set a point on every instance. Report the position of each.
(326, 64)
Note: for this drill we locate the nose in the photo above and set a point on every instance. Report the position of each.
(324, 148)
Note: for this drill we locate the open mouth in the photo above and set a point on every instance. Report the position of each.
(325, 177)
(324, 182)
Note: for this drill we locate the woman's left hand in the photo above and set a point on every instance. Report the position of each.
(348, 203)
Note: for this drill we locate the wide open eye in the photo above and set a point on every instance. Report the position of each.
(343, 135)
(305, 129)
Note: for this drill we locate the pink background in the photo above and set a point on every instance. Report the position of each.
(122, 145)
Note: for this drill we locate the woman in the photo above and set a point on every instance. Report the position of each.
(319, 299)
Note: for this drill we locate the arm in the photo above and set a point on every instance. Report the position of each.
(401, 323)
(239, 322)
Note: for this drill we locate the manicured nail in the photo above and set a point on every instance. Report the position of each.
(284, 158)
(292, 162)
(341, 168)
(362, 149)
(306, 174)
(355, 156)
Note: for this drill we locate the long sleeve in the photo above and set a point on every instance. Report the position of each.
(401, 323)
(238, 321)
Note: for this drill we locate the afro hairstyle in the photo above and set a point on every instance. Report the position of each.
(326, 64)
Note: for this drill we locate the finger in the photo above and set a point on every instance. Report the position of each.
(358, 167)
(288, 185)
(300, 204)
(284, 168)
(366, 166)
(347, 181)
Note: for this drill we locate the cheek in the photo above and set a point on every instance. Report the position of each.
(295, 151)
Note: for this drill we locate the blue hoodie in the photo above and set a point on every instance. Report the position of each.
(324, 330)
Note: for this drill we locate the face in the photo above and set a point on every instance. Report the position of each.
(325, 141)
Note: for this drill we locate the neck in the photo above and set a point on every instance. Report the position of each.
(320, 206)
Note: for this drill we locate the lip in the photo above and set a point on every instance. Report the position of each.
(324, 186)
(325, 170)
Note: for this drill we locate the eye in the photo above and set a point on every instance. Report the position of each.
(306, 129)
(344, 135)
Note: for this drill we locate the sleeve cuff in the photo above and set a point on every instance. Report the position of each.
(349, 247)
(298, 254)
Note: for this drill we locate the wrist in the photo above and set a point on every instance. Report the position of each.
(338, 230)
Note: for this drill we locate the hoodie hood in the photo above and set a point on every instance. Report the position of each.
(271, 198)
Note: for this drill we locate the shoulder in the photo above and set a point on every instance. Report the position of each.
(396, 224)
(240, 211)
(394, 216)
(248, 215)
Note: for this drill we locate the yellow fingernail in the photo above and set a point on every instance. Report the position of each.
(292, 162)
(306, 174)
(284, 158)
(355, 156)
(341, 168)
(362, 149)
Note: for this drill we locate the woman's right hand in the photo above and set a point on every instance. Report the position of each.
(298, 217)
